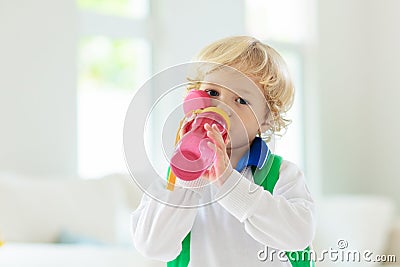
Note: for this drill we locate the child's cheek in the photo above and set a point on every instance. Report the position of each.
(237, 132)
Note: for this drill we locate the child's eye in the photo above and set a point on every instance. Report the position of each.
(212, 92)
(242, 101)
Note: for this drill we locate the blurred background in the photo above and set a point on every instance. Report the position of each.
(69, 69)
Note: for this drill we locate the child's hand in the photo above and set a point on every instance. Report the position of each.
(222, 168)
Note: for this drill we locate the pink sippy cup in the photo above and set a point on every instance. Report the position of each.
(192, 156)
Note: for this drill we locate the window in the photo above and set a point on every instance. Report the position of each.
(128, 8)
(112, 63)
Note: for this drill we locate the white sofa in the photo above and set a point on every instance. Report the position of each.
(67, 221)
(357, 223)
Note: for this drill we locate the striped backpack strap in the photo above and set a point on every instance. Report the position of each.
(297, 258)
(182, 260)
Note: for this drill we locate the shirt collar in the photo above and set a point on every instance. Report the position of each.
(256, 156)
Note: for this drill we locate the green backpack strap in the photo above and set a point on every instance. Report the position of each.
(184, 257)
(268, 175)
(272, 166)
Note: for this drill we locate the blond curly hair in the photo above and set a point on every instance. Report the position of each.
(257, 60)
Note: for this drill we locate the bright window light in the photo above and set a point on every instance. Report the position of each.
(283, 20)
(129, 8)
(109, 72)
(290, 145)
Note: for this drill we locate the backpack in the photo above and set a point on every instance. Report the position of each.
(267, 177)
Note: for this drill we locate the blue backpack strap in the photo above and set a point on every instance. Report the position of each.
(297, 258)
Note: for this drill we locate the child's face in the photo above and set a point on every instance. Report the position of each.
(243, 101)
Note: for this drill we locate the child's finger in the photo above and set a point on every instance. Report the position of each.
(218, 152)
(209, 129)
(216, 136)
(206, 174)
(214, 139)
(212, 145)
(212, 128)
(218, 133)
(220, 155)
(211, 173)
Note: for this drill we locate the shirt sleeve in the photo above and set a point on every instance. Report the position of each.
(159, 227)
(283, 220)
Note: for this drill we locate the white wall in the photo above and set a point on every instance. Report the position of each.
(182, 28)
(359, 90)
(38, 86)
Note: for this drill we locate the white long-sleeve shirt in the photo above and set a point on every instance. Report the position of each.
(247, 226)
